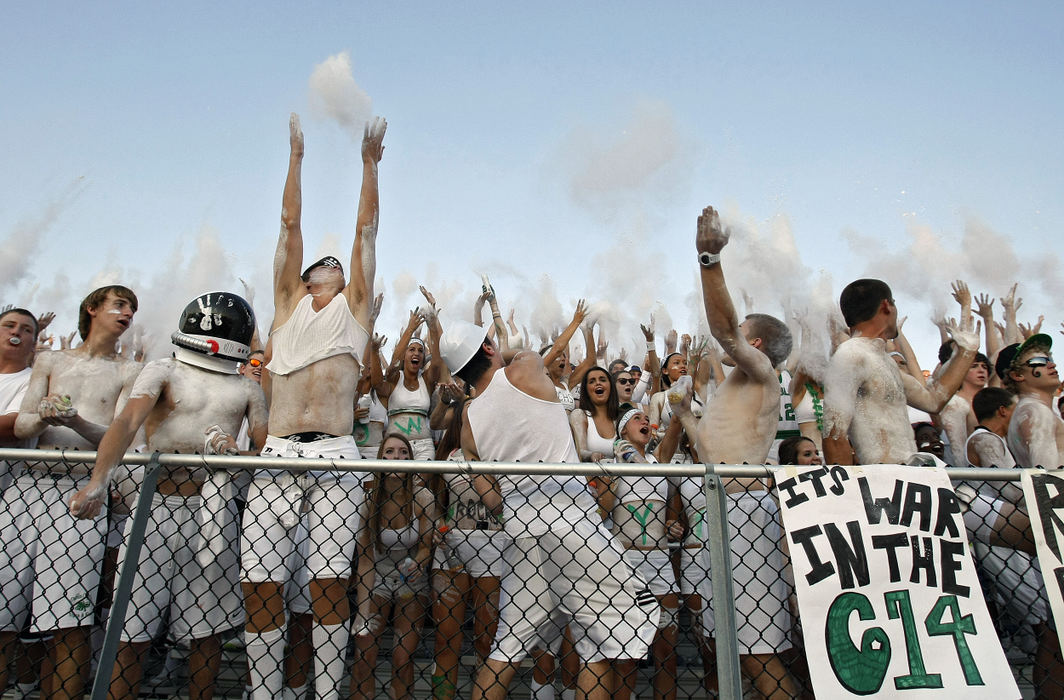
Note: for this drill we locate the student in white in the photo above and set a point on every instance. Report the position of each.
(52, 558)
(192, 402)
(562, 563)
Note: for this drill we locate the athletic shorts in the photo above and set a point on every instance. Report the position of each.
(50, 562)
(171, 584)
(1016, 583)
(579, 571)
(391, 585)
(762, 619)
(329, 502)
(423, 449)
(478, 553)
(694, 570)
(655, 567)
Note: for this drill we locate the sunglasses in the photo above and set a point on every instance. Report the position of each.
(255, 362)
(1038, 361)
(626, 382)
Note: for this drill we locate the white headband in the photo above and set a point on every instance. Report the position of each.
(629, 414)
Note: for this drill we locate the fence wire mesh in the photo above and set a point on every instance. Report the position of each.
(264, 578)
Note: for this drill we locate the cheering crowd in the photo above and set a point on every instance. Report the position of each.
(587, 575)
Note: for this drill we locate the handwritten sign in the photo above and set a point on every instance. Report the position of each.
(887, 591)
(1044, 493)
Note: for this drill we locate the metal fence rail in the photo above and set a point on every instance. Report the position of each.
(716, 539)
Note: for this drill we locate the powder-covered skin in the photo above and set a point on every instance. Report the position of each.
(188, 401)
(1036, 434)
(96, 387)
(865, 399)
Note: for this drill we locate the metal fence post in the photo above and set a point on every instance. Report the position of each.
(124, 585)
(718, 539)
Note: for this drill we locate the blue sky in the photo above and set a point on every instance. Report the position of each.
(566, 150)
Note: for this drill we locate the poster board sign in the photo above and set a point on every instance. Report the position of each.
(887, 591)
(1043, 491)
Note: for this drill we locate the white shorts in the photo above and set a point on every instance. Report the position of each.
(297, 586)
(762, 619)
(1017, 584)
(655, 567)
(116, 529)
(171, 584)
(580, 572)
(423, 449)
(50, 561)
(694, 570)
(390, 584)
(329, 502)
(478, 553)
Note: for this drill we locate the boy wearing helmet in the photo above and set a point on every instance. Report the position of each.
(192, 402)
(320, 328)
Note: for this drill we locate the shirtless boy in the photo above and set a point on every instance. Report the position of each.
(319, 329)
(1036, 439)
(178, 400)
(73, 396)
(865, 395)
(562, 566)
(738, 426)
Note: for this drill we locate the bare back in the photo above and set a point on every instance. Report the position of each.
(865, 399)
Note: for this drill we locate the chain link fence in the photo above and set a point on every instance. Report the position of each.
(265, 577)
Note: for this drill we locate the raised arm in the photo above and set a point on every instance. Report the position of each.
(589, 357)
(984, 307)
(287, 285)
(436, 371)
(963, 296)
(359, 290)
(392, 375)
(1010, 304)
(933, 396)
(723, 321)
(562, 341)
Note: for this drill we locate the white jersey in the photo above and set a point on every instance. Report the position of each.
(511, 426)
(308, 335)
(12, 389)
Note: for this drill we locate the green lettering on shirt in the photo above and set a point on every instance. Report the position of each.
(648, 510)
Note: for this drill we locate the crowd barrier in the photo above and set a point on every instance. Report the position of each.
(764, 571)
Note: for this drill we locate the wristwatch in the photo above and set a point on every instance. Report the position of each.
(708, 259)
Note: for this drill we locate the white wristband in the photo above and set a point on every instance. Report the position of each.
(650, 346)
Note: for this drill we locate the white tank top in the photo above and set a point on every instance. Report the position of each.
(595, 441)
(565, 397)
(642, 488)
(508, 425)
(308, 335)
(402, 400)
(404, 538)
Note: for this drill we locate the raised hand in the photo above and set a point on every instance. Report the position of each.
(1028, 330)
(711, 237)
(648, 330)
(966, 339)
(375, 310)
(428, 296)
(984, 306)
(44, 321)
(581, 311)
(670, 341)
(961, 294)
(373, 140)
(1010, 302)
(295, 135)
(379, 341)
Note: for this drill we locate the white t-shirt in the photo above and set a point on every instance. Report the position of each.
(12, 391)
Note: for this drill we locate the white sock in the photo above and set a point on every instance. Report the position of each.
(330, 652)
(542, 691)
(26, 688)
(290, 693)
(569, 694)
(265, 651)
